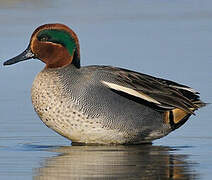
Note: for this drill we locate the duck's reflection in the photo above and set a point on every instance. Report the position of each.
(116, 162)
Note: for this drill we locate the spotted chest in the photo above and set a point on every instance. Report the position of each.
(52, 107)
(64, 115)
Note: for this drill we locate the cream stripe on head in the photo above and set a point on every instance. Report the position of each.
(130, 91)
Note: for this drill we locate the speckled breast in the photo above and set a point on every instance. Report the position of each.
(61, 112)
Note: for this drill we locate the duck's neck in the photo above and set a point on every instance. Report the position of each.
(62, 59)
(76, 60)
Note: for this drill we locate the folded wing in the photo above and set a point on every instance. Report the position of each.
(163, 94)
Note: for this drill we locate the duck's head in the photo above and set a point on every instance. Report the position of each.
(54, 44)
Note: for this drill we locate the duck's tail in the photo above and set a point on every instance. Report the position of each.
(177, 117)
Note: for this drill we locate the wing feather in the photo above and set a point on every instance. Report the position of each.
(163, 93)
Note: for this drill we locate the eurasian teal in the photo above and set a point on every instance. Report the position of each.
(101, 104)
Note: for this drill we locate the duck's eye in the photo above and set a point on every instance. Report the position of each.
(43, 37)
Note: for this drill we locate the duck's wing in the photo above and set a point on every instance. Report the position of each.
(162, 94)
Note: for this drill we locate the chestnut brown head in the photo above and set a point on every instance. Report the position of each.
(54, 44)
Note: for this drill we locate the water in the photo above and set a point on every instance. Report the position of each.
(168, 39)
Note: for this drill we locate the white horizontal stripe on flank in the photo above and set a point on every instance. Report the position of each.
(130, 91)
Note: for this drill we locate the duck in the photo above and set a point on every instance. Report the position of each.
(100, 104)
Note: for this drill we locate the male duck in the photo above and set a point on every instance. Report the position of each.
(101, 104)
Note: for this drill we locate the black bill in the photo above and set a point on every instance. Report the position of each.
(27, 54)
